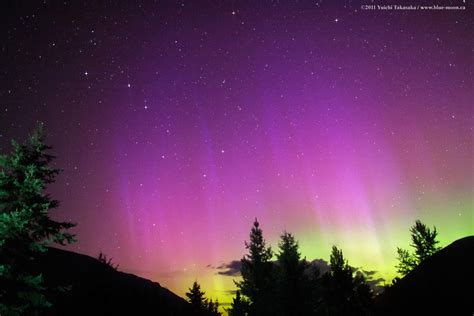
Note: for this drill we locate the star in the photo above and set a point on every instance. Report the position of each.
(86, 73)
(233, 12)
(145, 107)
(336, 20)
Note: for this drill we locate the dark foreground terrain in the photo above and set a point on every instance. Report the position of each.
(94, 288)
(442, 285)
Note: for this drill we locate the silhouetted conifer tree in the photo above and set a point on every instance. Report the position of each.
(196, 298)
(344, 294)
(315, 291)
(239, 306)
(25, 225)
(424, 242)
(213, 308)
(362, 295)
(215, 311)
(200, 304)
(257, 284)
(406, 261)
(292, 284)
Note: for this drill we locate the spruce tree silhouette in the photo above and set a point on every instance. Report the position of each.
(213, 308)
(292, 284)
(257, 279)
(337, 284)
(210, 305)
(26, 228)
(363, 296)
(197, 299)
(344, 294)
(200, 304)
(424, 242)
(239, 306)
(315, 291)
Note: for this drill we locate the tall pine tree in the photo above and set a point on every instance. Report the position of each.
(257, 281)
(25, 225)
(292, 284)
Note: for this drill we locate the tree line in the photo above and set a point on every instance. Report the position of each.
(288, 285)
(291, 286)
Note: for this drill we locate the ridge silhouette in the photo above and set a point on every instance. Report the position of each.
(440, 285)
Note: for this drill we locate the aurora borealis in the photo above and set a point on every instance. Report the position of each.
(178, 123)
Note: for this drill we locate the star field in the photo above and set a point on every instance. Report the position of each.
(178, 123)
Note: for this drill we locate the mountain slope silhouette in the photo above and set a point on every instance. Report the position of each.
(441, 285)
(94, 288)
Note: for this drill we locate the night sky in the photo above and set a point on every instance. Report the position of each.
(178, 123)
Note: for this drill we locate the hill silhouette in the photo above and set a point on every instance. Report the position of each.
(441, 285)
(94, 288)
